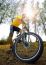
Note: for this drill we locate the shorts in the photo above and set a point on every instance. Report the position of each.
(14, 28)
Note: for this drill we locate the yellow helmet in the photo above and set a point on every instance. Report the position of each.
(19, 16)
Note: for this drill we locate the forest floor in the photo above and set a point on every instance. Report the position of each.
(8, 58)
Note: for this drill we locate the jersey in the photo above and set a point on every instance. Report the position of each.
(17, 21)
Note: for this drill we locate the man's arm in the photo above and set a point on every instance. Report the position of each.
(24, 25)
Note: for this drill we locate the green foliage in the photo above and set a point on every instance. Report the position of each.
(45, 4)
(2, 42)
(7, 9)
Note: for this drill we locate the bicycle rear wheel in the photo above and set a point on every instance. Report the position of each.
(30, 51)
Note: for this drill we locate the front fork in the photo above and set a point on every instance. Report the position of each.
(25, 42)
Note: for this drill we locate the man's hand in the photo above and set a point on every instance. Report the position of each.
(26, 29)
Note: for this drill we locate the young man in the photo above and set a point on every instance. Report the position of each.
(14, 27)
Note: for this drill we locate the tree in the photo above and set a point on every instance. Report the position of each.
(43, 16)
(8, 9)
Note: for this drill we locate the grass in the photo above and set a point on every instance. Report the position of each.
(44, 43)
(4, 44)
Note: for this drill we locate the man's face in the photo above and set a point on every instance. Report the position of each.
(25, 18)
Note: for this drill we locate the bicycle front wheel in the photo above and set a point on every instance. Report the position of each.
(31, 50)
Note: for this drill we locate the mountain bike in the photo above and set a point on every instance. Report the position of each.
(26, 50)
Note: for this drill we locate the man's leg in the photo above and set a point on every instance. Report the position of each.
(12, 29)
(10, 36)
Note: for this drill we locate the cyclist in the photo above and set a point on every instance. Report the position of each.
(14, 27)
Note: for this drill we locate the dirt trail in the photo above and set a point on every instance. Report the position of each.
(9, 59)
